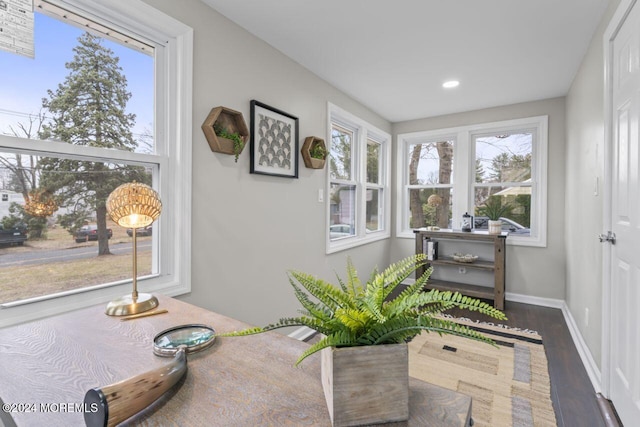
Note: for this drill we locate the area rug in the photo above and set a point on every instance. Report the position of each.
(509, 384)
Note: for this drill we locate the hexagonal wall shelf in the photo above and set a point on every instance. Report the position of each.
(229, 120)
(312, 143)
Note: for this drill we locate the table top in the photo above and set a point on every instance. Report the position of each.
(47, 366)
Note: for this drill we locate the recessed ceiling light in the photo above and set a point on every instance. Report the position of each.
(450, 84)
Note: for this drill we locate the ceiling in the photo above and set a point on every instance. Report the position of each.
(393, 56)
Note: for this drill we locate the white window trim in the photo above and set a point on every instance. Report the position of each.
(464, 163)
(174, 77)
(364, 132)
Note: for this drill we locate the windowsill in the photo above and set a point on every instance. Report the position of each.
(37, 308)
(353, 242)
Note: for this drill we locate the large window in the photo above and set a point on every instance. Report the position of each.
(496, 164)
(430, 182)
(90, 112)
(359, 196)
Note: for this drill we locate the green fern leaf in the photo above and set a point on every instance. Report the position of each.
(341, 339)
(325, 292)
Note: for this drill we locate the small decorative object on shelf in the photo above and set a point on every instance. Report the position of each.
(226, 131)
(314, 152)
(468, 258)
(467, 222)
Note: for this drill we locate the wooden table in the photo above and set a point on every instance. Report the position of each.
(246, 381)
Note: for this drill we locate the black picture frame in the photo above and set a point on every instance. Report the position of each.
(274, 141)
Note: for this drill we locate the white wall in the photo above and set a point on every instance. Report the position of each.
(584, 174)
(248, 230)
(531, 271)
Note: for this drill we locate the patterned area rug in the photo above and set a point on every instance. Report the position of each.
(509, 385)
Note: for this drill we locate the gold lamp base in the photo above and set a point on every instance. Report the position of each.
(130, 305)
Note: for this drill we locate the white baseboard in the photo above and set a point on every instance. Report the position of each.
(302, 333)
(527, 299)
(583, 350)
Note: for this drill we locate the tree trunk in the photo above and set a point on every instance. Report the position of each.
(415, 204)
(445, 154)
(103, 236)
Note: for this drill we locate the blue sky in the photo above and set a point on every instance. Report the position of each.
(25, 81)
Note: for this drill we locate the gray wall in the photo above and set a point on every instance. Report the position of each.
(531, 271)
(585, 165)
(248, 230)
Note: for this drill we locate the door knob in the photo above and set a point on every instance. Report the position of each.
(609, 237)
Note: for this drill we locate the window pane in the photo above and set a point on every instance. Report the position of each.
(340, 155)
(515, 204)
(503, 158)
(373, 162)
(431, 163)
(374, 209)
(430, 207)
(79, 88)
(342, 211)
(78, 245)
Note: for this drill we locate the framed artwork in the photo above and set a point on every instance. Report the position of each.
(274, 141)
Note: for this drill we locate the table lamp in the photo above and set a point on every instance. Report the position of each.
(133, 205)
(40, 204)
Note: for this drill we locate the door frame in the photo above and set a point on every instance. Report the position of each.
(610, 33)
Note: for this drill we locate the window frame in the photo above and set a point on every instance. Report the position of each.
(464, 176)
(173, 156)
(363, 133)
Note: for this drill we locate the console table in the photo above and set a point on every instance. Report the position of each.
(244, 381)
(452, 241)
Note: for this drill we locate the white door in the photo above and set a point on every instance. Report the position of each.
(624, 282)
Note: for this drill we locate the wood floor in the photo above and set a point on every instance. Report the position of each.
(573, 396)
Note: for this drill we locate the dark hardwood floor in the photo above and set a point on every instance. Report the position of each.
(573, 396)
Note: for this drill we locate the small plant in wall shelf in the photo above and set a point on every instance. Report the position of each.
(318, 152)
(238, 141)
(314, 152)
(226, 131)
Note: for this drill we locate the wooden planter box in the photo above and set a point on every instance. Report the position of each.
(230, 120)
(312, 162)
(366, 384)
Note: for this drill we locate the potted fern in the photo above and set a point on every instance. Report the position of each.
(494, 210)
(365, 334)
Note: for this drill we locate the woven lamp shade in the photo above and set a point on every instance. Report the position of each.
(134, 205)
(40, 204)
(434, 200)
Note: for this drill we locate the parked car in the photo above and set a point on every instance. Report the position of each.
(482, 223)
(16, 235)
(144, 231)
(89, 232)
(340, 230)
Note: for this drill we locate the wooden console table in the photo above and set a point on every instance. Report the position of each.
(50, 364)
(458, 240)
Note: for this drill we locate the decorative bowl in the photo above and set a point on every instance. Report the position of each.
(468, 258)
